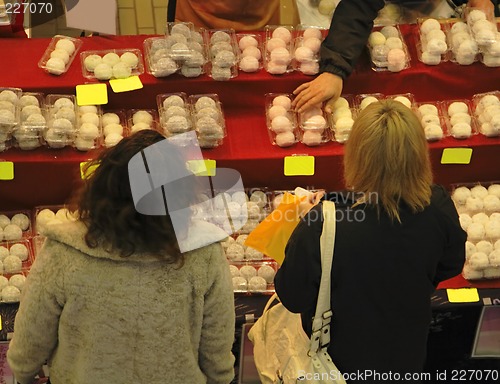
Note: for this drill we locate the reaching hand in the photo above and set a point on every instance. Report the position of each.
(484, 5)
(325, 87)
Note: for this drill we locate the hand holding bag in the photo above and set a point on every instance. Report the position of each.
(283, 353)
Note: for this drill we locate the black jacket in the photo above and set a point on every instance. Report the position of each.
(382, 279)
(351, 24)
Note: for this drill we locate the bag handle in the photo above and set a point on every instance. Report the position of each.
(320, 336)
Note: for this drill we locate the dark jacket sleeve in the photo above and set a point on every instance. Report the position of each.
(297, 280)
(351, 25)
(452, 261)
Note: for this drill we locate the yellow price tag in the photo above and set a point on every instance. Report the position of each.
(92, 94)
(463, 295)
(299, 165)
(202, 167)
(456, 156)
(124, 85)
(6, 170)
(85, 173)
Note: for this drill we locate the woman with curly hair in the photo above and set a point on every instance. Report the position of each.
(111, 299)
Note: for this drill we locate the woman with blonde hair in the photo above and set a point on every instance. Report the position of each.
(398, 236)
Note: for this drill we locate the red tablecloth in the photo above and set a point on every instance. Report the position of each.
(247, 147)
(48, 176)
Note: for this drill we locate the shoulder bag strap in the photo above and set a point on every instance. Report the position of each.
(320, 337)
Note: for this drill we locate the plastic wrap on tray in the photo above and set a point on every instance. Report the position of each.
(307, 43)
(278, 49)
(46, 215)
(459, 119)
(61, 120)
(281, 121)
(223, 53)
(208, 119)
(341, 118)
(33, 121)
(253, 276)
(432, 46)
(140, 119)
(89, 131)
(433, 122)
(17, 258)
(175, 113)
(59, 54)
(15, 225)
(112, 63)
(313, 127)
(157, 57)
(250, 52)
(479, 213)
(9, 114)
(486, 108)
(463, 48)
(114, 127)
(388, 50)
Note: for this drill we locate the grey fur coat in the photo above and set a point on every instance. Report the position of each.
(101, 318)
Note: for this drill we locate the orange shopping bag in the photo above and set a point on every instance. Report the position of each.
(272, 234)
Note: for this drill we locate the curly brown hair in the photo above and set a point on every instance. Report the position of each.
(105, 205)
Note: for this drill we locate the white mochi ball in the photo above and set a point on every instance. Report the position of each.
(267, 273)
(235, 252)
(239, 283)
(12, 232)
(11, 294)
(460, 195)
(12, 264)
(257, 284)
(484, 247)
(479, 191)
(66, 45)
(470, 249)
(465, 220)
(21, 220)
(234, 270)
(469, 273)
(17, 281)
(479, 260)
(4, 221)
(103, 71)
(475, 232)
(19, 250)
(247, 271)
(3, 282)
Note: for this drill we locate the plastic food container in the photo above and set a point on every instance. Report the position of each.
(250, 58)
(281, 121)
(208, 119)
(486, 108)
(253, 277)
(62, 120)
(432, 47)
(307, 44)
(33, 121)
(388, 50)
(433, 122)
(59, 54)
(459, 119)
(278, 48)
(112, 63)
(342, 118)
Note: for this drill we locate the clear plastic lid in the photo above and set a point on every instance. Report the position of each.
(111, 63)
(59, 54)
